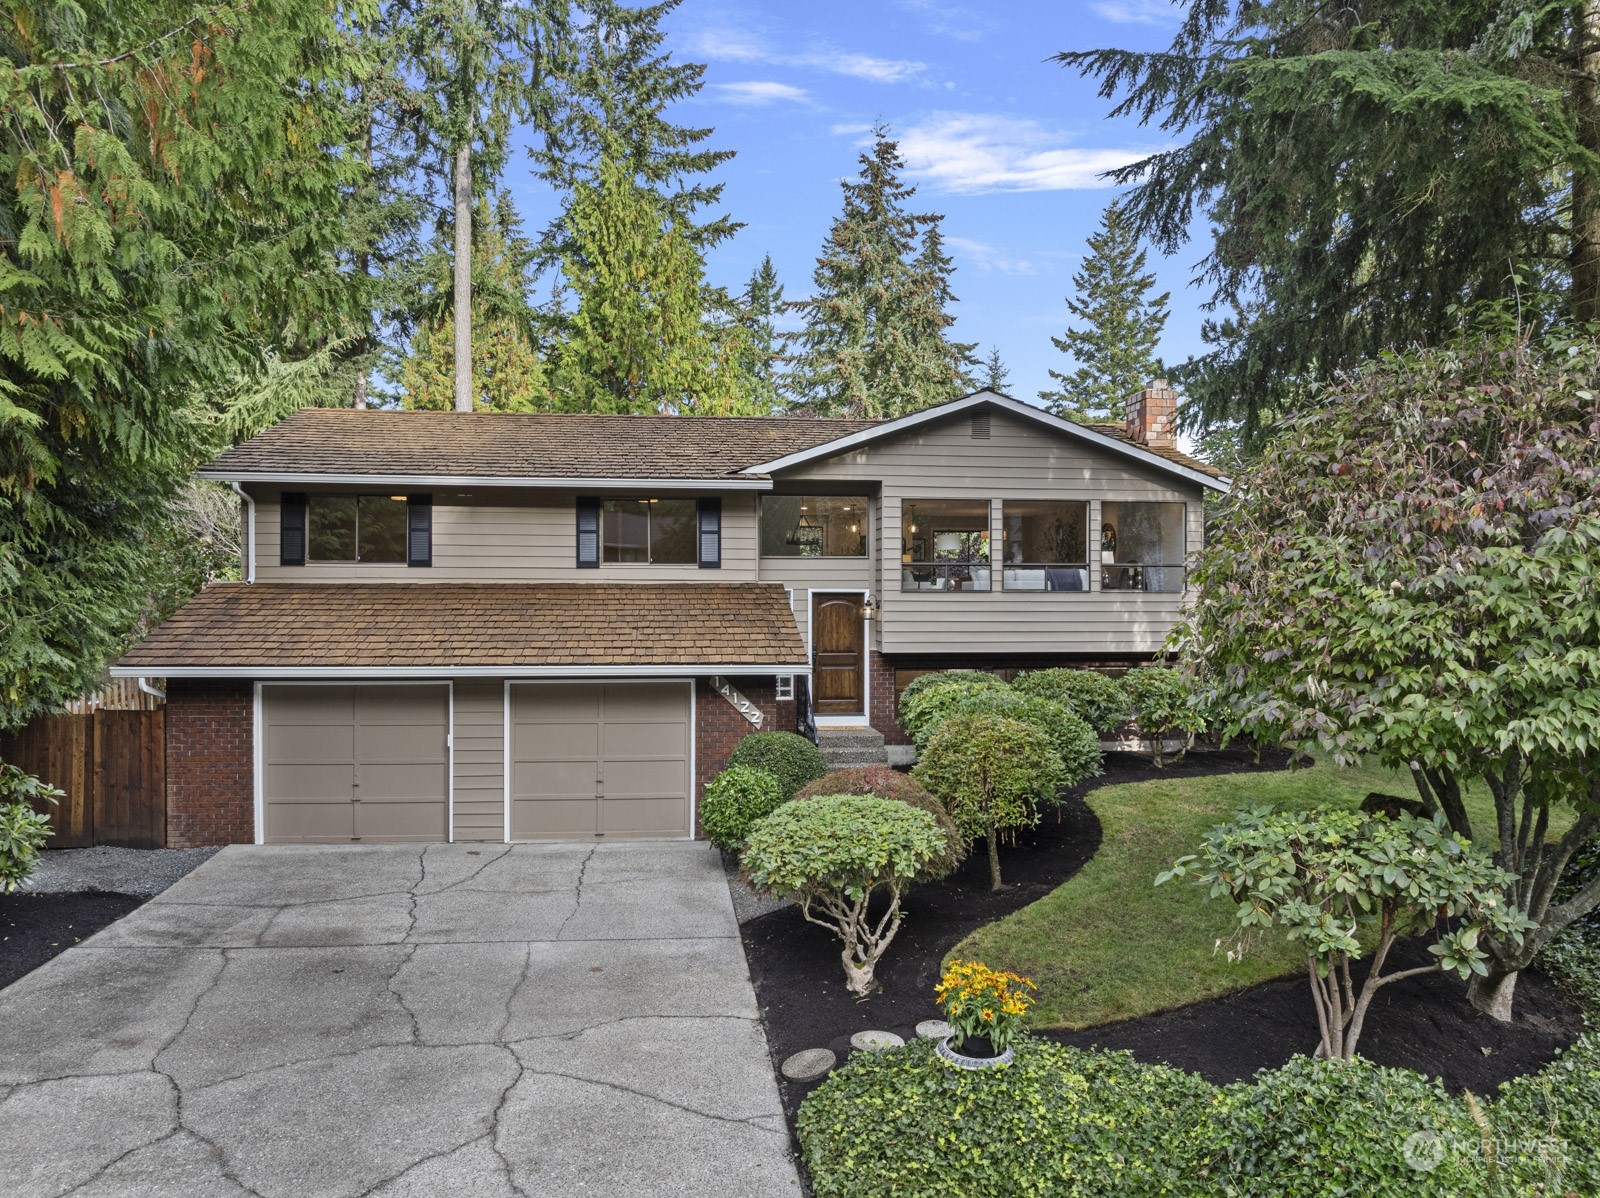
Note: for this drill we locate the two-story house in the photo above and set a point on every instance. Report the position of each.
(480, 626)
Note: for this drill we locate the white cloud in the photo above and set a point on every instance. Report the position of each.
(972, 152)
(1136, 12)
(849, 130)
(948, 20)
(761, 91)
(989, 259)
(727, 45)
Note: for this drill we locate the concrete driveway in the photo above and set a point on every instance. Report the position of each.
(401, 1021)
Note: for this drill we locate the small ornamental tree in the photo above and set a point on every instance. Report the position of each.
(23, 830)
(1070, 735)
(1409, 574)
(1163, 704)
(932, 698)
(886, 783)
(831, 855)
(790, 758)
(992, 774)
(1098, 698)
(1326, 879)
(735, 801)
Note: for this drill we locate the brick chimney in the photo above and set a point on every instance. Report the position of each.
(1153, 415)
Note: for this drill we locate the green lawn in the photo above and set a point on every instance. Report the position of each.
(1109, 944)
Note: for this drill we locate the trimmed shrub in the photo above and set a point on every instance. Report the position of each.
(991, 773)
(1098, 698)
(1546, 1132)
(885, 783)
(23, 831)
(1074, 741)
(1163, 703)
(931, 699)
(790, 758)
(1057, 1120)
(830, 854)
(734, 801)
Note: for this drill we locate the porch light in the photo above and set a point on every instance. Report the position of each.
(869, 606)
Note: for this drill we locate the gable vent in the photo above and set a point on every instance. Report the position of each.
(980, 426)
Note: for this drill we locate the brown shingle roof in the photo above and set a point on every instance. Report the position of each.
(1118, 430)
(235, 626)
(523, 445)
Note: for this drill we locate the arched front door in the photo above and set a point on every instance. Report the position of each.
(837, 654)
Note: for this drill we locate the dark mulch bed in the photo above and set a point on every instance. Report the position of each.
(798, 977)
(36, 927)
(1423, 1023)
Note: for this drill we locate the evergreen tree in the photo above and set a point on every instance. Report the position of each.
(1114, 347)
(995, 374)
(874, 339)
(1369, 172)
(641, 339)
(614, 89)
(761, 301)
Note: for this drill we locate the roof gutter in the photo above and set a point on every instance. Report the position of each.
(356, 673)
(740, 482)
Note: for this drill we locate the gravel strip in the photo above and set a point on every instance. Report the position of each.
(748, 904)
(143, 872)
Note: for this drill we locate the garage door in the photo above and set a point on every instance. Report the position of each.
(362, 763)
(607, 759)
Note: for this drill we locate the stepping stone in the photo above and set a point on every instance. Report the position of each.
(808, 1064)
(875, 1041)
(934, 1029)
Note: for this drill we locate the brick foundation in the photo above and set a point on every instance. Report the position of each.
(880, 680)
(718, 726)
(210, 763)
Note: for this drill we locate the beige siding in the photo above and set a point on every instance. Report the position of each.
(480, 760)
(802, 575)
(1018, 461)
(500, 536)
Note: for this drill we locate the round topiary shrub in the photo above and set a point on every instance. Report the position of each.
(734, 801)
(932, 698)
(1075, 742)
(830, 854)
(1163, 703)
(991, 773)
(791, 759)
(1098, 698)
(885, 783)
(1057, 1120)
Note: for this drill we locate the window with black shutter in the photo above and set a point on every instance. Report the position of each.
(292, 530)
(588, 533)
(419, 530)
(710, 513)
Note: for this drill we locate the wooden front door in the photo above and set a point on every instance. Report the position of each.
(836, 654)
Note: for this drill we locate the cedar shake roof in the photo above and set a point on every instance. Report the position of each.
(514, 445)
(234, 627)
(1117, 429)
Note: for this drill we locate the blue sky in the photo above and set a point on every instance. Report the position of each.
(1006, 144)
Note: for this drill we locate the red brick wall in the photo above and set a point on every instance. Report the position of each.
(881, 681)
(718, 726)
(210, 763)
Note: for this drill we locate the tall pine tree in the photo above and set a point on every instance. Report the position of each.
(874, 340)
(995, 373)
(760, 302)
(1114, 345)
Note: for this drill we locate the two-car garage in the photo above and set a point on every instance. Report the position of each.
(374, 763)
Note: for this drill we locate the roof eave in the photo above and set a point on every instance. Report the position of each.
(1004, 402)
(744, 481)
(269, 673)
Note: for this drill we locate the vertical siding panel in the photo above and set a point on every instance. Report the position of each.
(479, 744)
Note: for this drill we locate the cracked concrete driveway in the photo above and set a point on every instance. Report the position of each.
(401, 1021)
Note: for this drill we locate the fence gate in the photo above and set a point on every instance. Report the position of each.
(113, 767)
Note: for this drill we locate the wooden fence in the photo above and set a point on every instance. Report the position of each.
(112, 766)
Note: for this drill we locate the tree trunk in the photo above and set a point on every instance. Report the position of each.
(463, 279)
(1585, 250)
(361, 391)
(858, 979)
(994, 859)
(1492, 993)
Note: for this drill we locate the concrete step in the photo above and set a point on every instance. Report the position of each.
(840, 759)
(851, 738)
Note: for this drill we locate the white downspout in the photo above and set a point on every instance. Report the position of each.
(144, 685)
(249, 533)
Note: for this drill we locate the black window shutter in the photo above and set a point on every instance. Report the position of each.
(588, 532)
(292, 529)
(419, 530)
(710, 511)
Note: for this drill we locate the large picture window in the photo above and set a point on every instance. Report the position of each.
(658, 531)
(356, 528)
(1045, 546)
(1142, 546)
(813, 526)
(944, 545)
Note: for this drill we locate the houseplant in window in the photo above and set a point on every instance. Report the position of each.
(1108, 545)
(985, 1007)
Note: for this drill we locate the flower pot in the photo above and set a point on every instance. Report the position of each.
(981, 1053)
